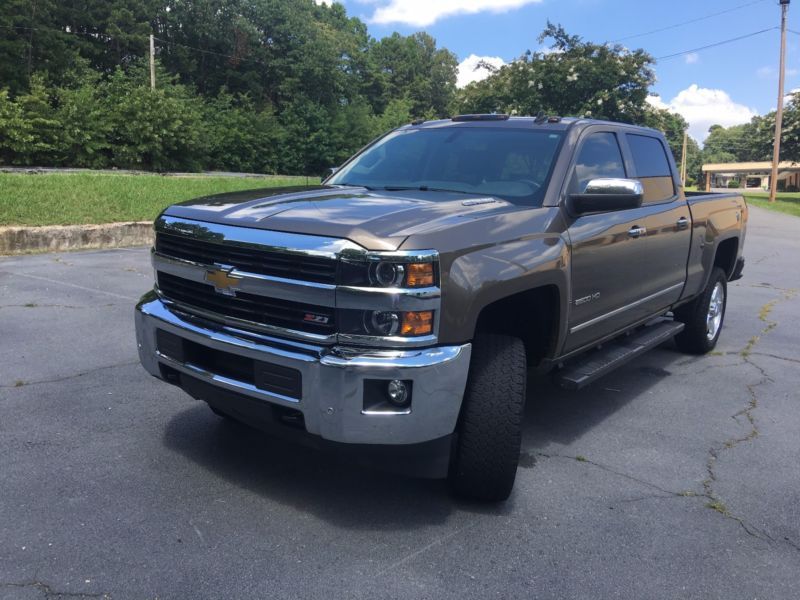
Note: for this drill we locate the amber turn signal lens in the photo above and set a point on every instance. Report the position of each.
(419, 274)
(417, 323)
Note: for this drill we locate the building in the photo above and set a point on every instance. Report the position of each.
(753, 175)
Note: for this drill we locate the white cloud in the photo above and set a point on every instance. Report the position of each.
(692, 58)
(469, 71)
(704, 107)
(421, 13)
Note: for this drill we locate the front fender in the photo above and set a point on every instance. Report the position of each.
(485, 275)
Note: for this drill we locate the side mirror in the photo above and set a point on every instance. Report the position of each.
(329, 172)
(605, 195)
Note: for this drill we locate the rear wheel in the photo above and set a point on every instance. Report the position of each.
(704, 316)
(490, 426)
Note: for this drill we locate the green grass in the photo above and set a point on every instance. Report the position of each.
(788, 203)
(81, 198)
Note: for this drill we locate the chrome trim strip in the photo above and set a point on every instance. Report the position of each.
(622, 309)
(224, 382)
(406, 299)
(405, 256)
(277, 241)
(306, 292)
(385, 413)
(243, 323)
(414, 359)
(388, 342)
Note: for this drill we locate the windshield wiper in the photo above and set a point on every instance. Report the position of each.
(361, 185)
(422, 188)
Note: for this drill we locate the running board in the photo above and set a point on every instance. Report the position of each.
(596, 363)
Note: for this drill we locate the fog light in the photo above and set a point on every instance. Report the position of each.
(398, 392)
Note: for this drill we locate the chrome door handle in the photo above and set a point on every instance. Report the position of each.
(636, 231)
(683, 223)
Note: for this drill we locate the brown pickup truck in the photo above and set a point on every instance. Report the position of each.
(392, 312)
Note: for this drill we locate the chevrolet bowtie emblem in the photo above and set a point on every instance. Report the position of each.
(223, 281)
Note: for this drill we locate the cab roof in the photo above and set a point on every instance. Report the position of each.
(545, 122)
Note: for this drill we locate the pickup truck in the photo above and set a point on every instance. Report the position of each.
(392, 313)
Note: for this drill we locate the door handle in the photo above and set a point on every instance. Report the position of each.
(683, 223)
(636, 231)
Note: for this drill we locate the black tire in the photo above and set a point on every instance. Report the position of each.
(489, 430)
(696, 337)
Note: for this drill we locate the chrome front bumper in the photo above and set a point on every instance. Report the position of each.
(332, 378)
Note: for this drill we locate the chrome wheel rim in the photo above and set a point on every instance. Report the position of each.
(715, 309)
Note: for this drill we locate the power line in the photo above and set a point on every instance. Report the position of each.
(230, 56)
(698, 19)
(714, 45)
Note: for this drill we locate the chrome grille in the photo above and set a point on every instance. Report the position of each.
(252, 260)
(261, 310)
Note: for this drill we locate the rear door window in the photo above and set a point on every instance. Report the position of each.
(652, 167)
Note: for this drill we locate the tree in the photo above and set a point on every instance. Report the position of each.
(573, 78)
(414, 68)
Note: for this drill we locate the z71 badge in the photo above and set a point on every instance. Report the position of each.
(312, 318)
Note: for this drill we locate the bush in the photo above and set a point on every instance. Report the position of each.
(118, 121)
(733, 184)
(792, 188)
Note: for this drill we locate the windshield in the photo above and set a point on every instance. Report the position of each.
(513, 164)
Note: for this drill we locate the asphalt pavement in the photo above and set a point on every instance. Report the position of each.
(674, 477)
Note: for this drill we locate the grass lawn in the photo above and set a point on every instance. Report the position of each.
(80, 198)
(788, 203)
(785, 202)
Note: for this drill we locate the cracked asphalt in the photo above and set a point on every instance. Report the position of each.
(674, 477)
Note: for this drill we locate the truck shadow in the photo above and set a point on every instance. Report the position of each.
(308, 480)
(356, 497)
(557, 416)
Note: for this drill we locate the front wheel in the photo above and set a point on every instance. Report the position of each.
(704, 316)
(489, 432)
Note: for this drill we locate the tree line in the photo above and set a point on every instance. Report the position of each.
(271, 86)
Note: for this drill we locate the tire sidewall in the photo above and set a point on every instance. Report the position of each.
(718, 276)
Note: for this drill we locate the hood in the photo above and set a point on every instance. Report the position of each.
(376, 220)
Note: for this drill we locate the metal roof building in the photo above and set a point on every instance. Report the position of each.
(752, 175)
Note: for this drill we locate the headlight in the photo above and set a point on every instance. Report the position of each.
(387, 273)
(384, 323)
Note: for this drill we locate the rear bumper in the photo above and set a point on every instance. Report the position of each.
(331, 399)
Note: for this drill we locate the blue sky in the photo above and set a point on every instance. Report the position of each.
(727, 84)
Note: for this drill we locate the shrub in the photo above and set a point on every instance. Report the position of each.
(733, 184)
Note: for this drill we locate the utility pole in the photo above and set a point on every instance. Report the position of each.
(152, 62)
(683, 159)
(776, 154)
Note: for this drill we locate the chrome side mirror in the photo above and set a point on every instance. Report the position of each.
(604, 195)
